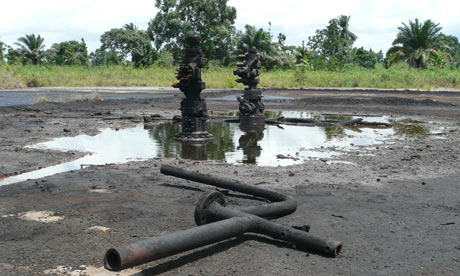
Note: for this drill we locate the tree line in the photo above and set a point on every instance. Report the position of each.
(419, 44)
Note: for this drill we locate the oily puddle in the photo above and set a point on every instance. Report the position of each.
(267, 146)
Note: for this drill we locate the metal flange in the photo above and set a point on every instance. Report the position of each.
(201, 215)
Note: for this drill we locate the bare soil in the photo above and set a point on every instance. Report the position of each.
(395, 207)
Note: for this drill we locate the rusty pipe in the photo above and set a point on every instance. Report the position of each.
(281, 205)
(236, 223)
(211, 206)
(210, 209)
(144, 251)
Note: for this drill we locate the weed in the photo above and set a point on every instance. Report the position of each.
(32, 81)
(40, 99)
(96, 96)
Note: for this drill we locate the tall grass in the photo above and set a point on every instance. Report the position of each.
(222, 77)
(393, 78)
(37, 76)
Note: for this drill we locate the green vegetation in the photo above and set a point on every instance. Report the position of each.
(68, 53)
(31, 47)
(2, 49)
(37, 76)
(16, 76)
(273, 55)
(332, 47)
(120, 44)
(211, 19)
(392, 78)
(418, 44)
(129, 56)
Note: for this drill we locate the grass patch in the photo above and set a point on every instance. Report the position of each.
(222, 77)
(392, 78)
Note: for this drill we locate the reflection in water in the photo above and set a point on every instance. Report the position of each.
(261, 146)
(223, 142)
(405, 127)
(163, 135)
(194, 151)
(334, 132)
(110, 146)
(304, 115)
(169, 147)
(249, 142)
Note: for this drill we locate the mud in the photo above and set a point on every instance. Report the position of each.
(394, 206)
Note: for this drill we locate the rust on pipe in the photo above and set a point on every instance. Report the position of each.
(217, 223)
(282, 205)
(211, 206)
(152, 249)
(233, 223)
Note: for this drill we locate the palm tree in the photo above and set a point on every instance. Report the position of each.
(416, 44)
(254, 37)
(343, 22)
(130, 27)
(270, 54)
(32, 47)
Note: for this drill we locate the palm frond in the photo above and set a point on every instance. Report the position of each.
(420, 42)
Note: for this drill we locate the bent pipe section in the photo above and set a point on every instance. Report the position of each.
(281, 205)
(236, 223)
(301, 239)
(152, 249)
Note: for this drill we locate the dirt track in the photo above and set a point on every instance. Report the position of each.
(395, 207)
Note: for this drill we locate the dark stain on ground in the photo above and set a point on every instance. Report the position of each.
(389, 227)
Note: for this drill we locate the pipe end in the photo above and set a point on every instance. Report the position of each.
(333, 250)
(165, 169)
(337, 250)
(112, 260)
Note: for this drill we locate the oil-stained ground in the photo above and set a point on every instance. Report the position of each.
(395, 207)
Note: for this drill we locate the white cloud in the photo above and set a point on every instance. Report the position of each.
(59, 20)
(374, 22)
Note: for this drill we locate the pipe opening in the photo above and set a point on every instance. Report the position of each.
(112, 260)
(337, 249)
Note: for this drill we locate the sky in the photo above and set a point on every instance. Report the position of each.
(374, 22)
